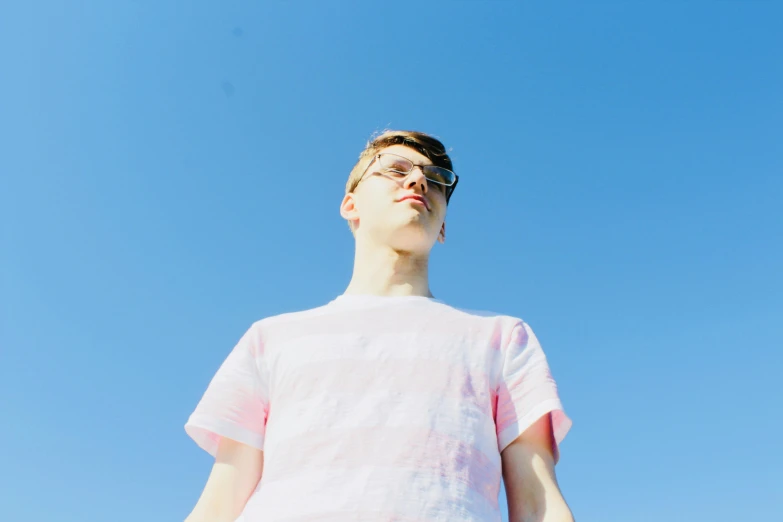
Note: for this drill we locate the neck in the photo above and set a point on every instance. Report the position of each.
(382, 270)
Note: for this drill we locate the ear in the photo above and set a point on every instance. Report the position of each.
(442, 234)
(348, 209)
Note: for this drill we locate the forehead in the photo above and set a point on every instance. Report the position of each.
(407, 152)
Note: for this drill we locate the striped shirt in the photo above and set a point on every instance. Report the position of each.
(379, 408)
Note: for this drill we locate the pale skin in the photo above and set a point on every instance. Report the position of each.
(394, 237)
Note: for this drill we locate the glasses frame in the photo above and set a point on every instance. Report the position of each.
(449, 188)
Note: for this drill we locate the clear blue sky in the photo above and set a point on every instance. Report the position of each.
(172, 173)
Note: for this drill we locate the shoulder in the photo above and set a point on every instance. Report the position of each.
(504, 324)
(297, 322)
(290, 317)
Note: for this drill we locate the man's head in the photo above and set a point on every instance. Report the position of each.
(398, 191)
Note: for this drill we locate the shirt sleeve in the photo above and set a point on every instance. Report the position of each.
(527, 391)
(235, 404)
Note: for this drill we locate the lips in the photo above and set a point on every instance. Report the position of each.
(421, 199)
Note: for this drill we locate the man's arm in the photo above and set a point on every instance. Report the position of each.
(529, 474)
(233, 479)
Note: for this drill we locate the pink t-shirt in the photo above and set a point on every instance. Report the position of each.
(379, 409)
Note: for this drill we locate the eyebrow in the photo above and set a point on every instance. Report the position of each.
(430, 164)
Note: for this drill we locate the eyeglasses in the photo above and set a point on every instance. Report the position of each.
(394, 164)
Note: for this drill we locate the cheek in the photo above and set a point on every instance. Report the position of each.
(439, 207)
(379, 194)
(373, 205)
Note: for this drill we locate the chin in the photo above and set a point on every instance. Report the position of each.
(414, 241)
(404, 234)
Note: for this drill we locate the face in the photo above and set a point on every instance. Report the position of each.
(403, 211)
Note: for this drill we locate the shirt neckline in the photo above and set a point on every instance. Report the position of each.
(370, 299)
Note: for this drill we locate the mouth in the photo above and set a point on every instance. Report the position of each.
(416, 199)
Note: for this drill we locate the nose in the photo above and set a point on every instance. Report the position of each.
(416, 178)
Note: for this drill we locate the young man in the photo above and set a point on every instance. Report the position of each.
(385, 404)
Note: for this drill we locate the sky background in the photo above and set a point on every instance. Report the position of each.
(171, 173)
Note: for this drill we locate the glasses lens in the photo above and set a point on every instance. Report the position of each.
(439, 175)
(395, 163)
